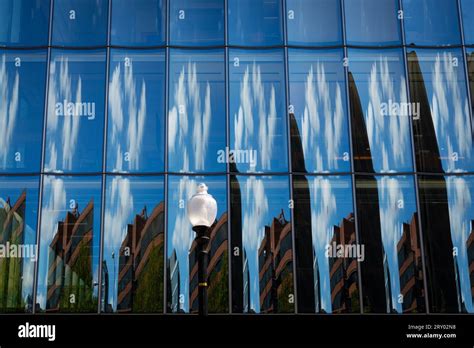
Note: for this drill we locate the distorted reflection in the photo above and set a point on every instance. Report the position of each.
(392, 274)
(182, 277)
(443, 132)
(132, 266)
(327, 281)
(18, 252)
(318, 117)
(69, 244)
(196, 117)
(261, 232)
(470, 75)
(380, 111)
(136, 107)
(467, 15)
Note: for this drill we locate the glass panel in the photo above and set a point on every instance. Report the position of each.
(69, 248)
(470, 70)
(380, 111)
(138, 22)
(314, 22)
(443, 131)
(75, 111)
(22, 93)
(328, 281)
(447, 214)
(258, 125)
(182, 277)
(196, 117)
(132, 266)
(18, 252)
(196, 22)
(255, 22)
(372, 22)
(431, 22)
(80, 22)
(318, 112)
(467, 7)
(392, 271)
(24, 22)
(262, 272)
(136, 106)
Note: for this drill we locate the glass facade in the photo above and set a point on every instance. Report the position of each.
(336, 136)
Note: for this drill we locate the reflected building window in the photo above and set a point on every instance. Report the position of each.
(22, 94)
(75, 116)
(18, 220)
(470, 75)
(318, 112)
(136, 106)
(443, 132)
(70, 237)
(133, 255)
(380, 111)
(262, 272)
(182, 275)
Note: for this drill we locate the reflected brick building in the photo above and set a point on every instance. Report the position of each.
(470, 258)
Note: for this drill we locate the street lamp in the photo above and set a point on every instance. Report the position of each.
(202, 211)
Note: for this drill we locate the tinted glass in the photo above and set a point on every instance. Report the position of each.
(80, 22)
(380, 111)
(133, 255)
(255, 22)
(197, 23)
(258, 124)
(443, 132)
(314, 22)
(138, 22)
(470, 70)
(467, 8)
(24, 22)
(318, 112)
(18, 220)
(447, 214)
(182, 277)
(392, 271)
(372, 22)
(431, 22)
(69, 249)
(327, 282)
(196, 117)
(75, 111)
(135, 141)
(262, 271)
(22, 93)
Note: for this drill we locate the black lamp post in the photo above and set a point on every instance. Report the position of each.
(202, 211)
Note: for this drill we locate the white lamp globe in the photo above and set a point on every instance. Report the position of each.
(202, 207)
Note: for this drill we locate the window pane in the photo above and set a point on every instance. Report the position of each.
(136, 106)
(380, 111)
(431, 22)
(197, 23)
(324, 221)
(24, 22)
(258, 126)
(18, 220)
(314, 22)
(69, 249)
(255, 22)
(75, 111)
(182, 277)
(470, 68)
(467, 7)
(196, 117)
(372, 22)
(262, 273)
(447, 214)
(318, 113)
(80, 22)
(22, 93)
(443, 132)
(133, 256)
(392, 271)
(138, 22)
